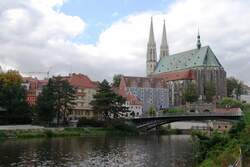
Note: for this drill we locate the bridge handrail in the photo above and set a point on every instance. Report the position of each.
(193, 114)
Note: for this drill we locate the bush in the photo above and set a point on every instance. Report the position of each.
(84, 122)
(2, 135)
(123, 126)
(152, 111)
(174, 110)
(229, 102)
(48, 133)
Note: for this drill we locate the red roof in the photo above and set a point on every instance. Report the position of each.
(177, 75)
(133, 100)
(80, 81)
(229, 110)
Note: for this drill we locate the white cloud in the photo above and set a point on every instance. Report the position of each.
(35, 35)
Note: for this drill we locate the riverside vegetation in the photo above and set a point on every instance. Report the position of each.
(221, 150)
(118, 127)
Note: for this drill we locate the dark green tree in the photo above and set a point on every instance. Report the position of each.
(13, 99)
(190, 93)
(56, 100)
(107, 103)
(152, 111)
(117, 80)
(68, 100)
(46, 104)
(209, 91)
(234, 87)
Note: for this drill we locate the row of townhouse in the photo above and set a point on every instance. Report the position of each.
(85, 90)
(34, 87)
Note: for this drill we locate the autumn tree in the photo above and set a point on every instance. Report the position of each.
(13, 99)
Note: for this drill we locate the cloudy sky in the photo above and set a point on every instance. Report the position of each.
(101, 38)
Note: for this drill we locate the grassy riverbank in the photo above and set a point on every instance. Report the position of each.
(63, 132)
(221, 150)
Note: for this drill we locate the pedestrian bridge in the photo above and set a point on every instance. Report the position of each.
(149, 122)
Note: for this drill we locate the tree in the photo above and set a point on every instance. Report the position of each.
(107, 103)
(13, 99)
(234, 87)
(56, 100)
(152, 111)
(68, 100)
(117, 80)
(46, 104)
(190, 93)
(209, 91)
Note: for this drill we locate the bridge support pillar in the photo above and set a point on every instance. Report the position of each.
(157, 129)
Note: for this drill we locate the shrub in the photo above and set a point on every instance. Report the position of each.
(48, 133)
(2, 134)
(152, 111)
(123, 126)
(229, 102)
(174, 110)
(84, 122)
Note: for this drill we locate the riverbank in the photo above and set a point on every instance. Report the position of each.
(62, 132)
(222, 150)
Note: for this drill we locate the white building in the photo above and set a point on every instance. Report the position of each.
(134, 105)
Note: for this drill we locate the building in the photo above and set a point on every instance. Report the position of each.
(85, 90)
(34, 88)
(134, 105)
(220, 126)
(199, 65)
(150, 91)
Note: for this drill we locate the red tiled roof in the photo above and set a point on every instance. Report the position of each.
(150, 82)
(133, 100)
(177, 75)
(230, 110)
(80, 81)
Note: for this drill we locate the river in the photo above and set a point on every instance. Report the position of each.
(140, 151)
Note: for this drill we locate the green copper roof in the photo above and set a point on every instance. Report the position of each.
(189, 59)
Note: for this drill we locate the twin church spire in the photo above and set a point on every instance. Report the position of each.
(164, 49)
(164, 43)
(151, 48)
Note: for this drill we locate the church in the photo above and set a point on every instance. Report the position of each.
(175, 72)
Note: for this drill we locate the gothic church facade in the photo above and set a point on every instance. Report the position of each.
(199, 65)
(169, 75)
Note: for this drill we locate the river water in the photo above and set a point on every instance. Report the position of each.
(142, 151)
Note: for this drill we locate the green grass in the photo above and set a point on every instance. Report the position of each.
(67, 132)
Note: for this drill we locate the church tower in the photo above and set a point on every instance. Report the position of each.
(164, 43)
(151, 51)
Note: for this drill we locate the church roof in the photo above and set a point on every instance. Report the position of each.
(203, 57)
(143, 82)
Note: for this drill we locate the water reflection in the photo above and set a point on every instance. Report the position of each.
(146, 151)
